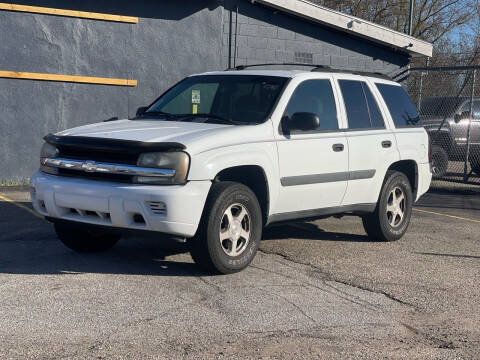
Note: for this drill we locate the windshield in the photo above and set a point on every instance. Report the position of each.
(231, 99)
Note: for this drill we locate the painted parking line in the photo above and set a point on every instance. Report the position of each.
(21, 206)
(447, 215)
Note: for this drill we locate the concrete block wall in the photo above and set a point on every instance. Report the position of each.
(265, 35)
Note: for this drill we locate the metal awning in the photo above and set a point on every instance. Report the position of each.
(353, 25)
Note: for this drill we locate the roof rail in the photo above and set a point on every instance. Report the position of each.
(318, 68)
(355, 72)
(243, 67)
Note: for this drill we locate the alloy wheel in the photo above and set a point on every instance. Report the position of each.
(396, 207)
(235, 229)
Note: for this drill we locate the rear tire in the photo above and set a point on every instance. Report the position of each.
(230, 230)
(82, 239)
(475, 164)
(439, 162)
(392, 214)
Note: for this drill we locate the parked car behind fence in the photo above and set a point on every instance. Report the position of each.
(448, 101)
(451, 122)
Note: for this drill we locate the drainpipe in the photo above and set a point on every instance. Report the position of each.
(410, 18)
(236, 35)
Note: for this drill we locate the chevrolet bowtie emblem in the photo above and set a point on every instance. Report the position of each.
(89, 166)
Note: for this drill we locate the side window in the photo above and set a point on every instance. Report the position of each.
(375, 115)
(355, 104)
(399, 104)
(362, 109)
(315, 96)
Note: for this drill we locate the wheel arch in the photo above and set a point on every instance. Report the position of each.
(237, 163)
(252, 176)
(408, 167)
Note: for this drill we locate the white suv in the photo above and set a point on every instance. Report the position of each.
(221, 155)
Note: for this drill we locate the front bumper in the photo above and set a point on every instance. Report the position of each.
(172, 209)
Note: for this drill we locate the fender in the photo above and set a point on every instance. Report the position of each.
(206, 165)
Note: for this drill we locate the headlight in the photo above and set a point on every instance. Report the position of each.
(178, 161)
(48, 151)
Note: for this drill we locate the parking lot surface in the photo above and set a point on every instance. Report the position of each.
(315, 290)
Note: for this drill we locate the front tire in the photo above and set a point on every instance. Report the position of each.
(392, 214)
(82, 239)
(230, 230)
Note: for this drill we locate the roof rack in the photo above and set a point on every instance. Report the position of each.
(318, 68)
(243, 67)
(355, 72)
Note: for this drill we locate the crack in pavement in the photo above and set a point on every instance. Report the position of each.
(329, 277)
(300, 310)
(389, 296)
(435, 341)
(216, 287)
(441, 344)
(347, 297)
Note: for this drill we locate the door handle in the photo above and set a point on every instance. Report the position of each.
(338, 147)
(386, 144)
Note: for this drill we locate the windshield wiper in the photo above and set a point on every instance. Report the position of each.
(184, 117)
(161, 113)
(212, 116)
(164, 116)
(155, 113)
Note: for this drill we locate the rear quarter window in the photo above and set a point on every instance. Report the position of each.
(403, 112)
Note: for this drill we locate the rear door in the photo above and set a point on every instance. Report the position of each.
(313, 164)
(412, 139)
(372, 145)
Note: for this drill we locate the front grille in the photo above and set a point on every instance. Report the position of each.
(115, 157)
(107, 156)
(96, 176)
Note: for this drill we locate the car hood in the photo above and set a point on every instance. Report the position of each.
(143, 130)
(195, 136)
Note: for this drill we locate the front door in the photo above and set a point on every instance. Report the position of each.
(314, 164)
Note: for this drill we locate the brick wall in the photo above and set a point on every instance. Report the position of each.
(265, 35)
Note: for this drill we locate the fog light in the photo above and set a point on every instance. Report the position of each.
(158, 207)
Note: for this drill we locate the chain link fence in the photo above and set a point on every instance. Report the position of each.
(448, 102)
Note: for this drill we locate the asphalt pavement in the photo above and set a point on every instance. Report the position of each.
(317, 290)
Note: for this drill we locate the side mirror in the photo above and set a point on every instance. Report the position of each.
(302, 121)
(141, 110)
(459, 117)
